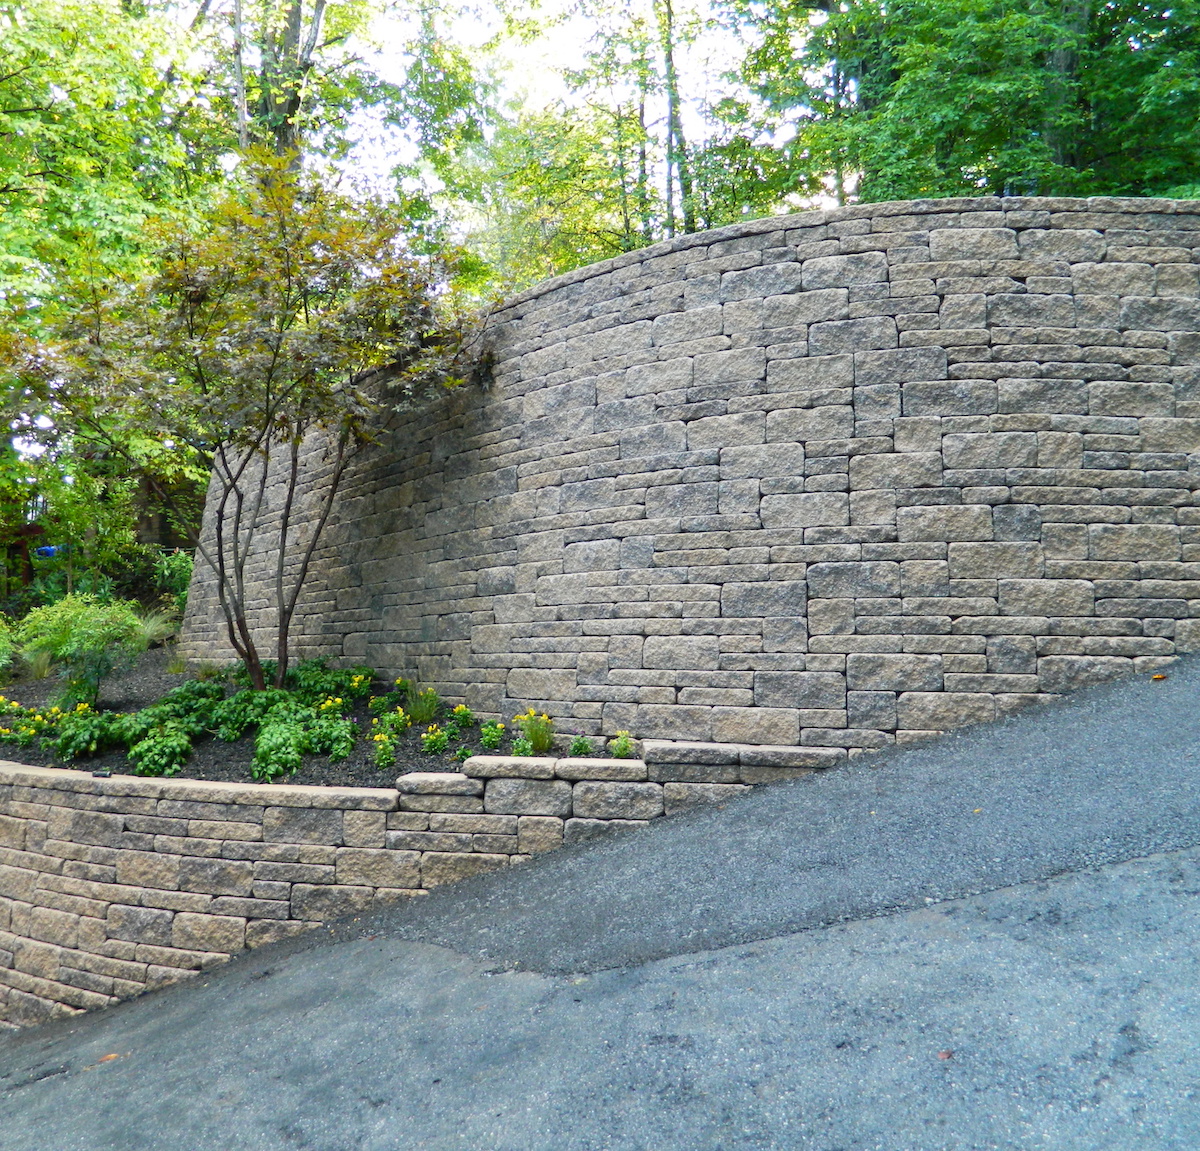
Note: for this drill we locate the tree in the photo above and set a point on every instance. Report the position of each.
(281, 323)
(914, 98)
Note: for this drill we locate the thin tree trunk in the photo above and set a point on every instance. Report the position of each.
(239, 76)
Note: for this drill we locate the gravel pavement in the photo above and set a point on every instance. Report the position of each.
(989, 941)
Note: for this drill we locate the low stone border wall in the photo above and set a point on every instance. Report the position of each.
(113, 886)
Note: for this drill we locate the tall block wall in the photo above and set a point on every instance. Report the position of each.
(829, 481)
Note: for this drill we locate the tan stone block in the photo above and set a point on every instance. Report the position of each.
(1133, 542)
(12, 832)
(623, 770)
(887, 672)
(466, 804)
(140, 924)
(37, 958)
(473, 824)
(224, 829)
(225, 933)
(52, 926)
(755, 725)
(86, 827)
(17, 883)
(1048, 597)
(509, 767)
(364, 828)
(438, 867)
(945, 523)
(538, 833)
(988, 560)
(265, 931)
(943, 710)
(378, 867)
(598, 800)
(148, 869)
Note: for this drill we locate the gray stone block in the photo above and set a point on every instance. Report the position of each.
(845, 271)
(685, 652)
(527, 797)
(854, 580)
(838, 337)
(594, 799)
(678, 797)
(768, 598)
(888, 672)
(973, 244)
(801, 689)
(815, 509)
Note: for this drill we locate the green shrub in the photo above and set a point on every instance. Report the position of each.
(173, 577)
(538, 730)
(522, 746)
(86, 732)
(8, 648)
(86, 638)
(463, 716)
(163, 752)
(312, 681)
(581, 746)
(491, 734)
(621, 746)
(244, 709)
(463, 754)
(434, 740)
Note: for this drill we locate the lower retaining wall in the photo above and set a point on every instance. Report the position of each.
(113, 886)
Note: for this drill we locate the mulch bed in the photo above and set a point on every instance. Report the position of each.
(214, 759)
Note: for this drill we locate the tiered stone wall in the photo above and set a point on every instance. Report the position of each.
(830, 480)
(111, 887)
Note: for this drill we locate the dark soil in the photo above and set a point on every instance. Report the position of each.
(214, 759)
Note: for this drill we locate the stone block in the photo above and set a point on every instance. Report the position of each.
(1133, 542)
(826, 689)
(738, 430)
(824, 272)
(508, 767)
(871, 671)
(139, 924)
(949, 398)
(17, 883)
(464, 804)
(840, 337)
(1048, 597)
(766, 598)
(809, 307)
(728, 772)
(328, 901)
(755, 725)
(1075, 245)
(216, 876)
(1178, 435)
(148, 869)
(672, 721)
(943, 710)
(593, 799)
(53, 926)
(533, 684)
(809, 510)
(871, 709)
(952, 524)
(528, 797)
(973, 244)
(991, 560)
(621, 770)
(302, 825)
(220, 933)
(1059, 673)
(655, 751)
(805, 373)
(760, 460)
(896, 470)
(679, 797)
(583, 830)
(1059, 397)
(439, 868)
(1030, 310)
(796, 425)
(902, 366)
(991, 450)
(92, 827)
(371, 867)
(364, 828)
(538, 833)
(1131, 399)
(439, 783)
(681, 652)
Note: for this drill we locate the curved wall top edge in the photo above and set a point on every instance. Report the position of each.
(818, 216)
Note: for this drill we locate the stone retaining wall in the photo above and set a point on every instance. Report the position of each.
(110, 887)
(829, 480)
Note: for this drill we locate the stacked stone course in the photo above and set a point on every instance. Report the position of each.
(826, 481)
(111, 887)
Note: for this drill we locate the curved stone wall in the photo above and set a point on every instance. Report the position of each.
(827, 480)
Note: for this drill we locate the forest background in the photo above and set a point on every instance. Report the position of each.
(468, 152)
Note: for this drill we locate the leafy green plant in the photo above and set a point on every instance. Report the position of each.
(87, 638)
(173, 577)
(312, 681)
(158, 625)
(434, 740)
(537, 729)
(621, 746)
(245, 708)
(463, 716)
(385, 731)
(491, 734)
(25, 726)
(163, 752)
(85, 731)
(581, 746)
(522, 746)
(8, 647)
(463, 754)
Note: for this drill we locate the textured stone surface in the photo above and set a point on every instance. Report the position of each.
(713, 497)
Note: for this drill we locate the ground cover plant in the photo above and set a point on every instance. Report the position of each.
(325, 726)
